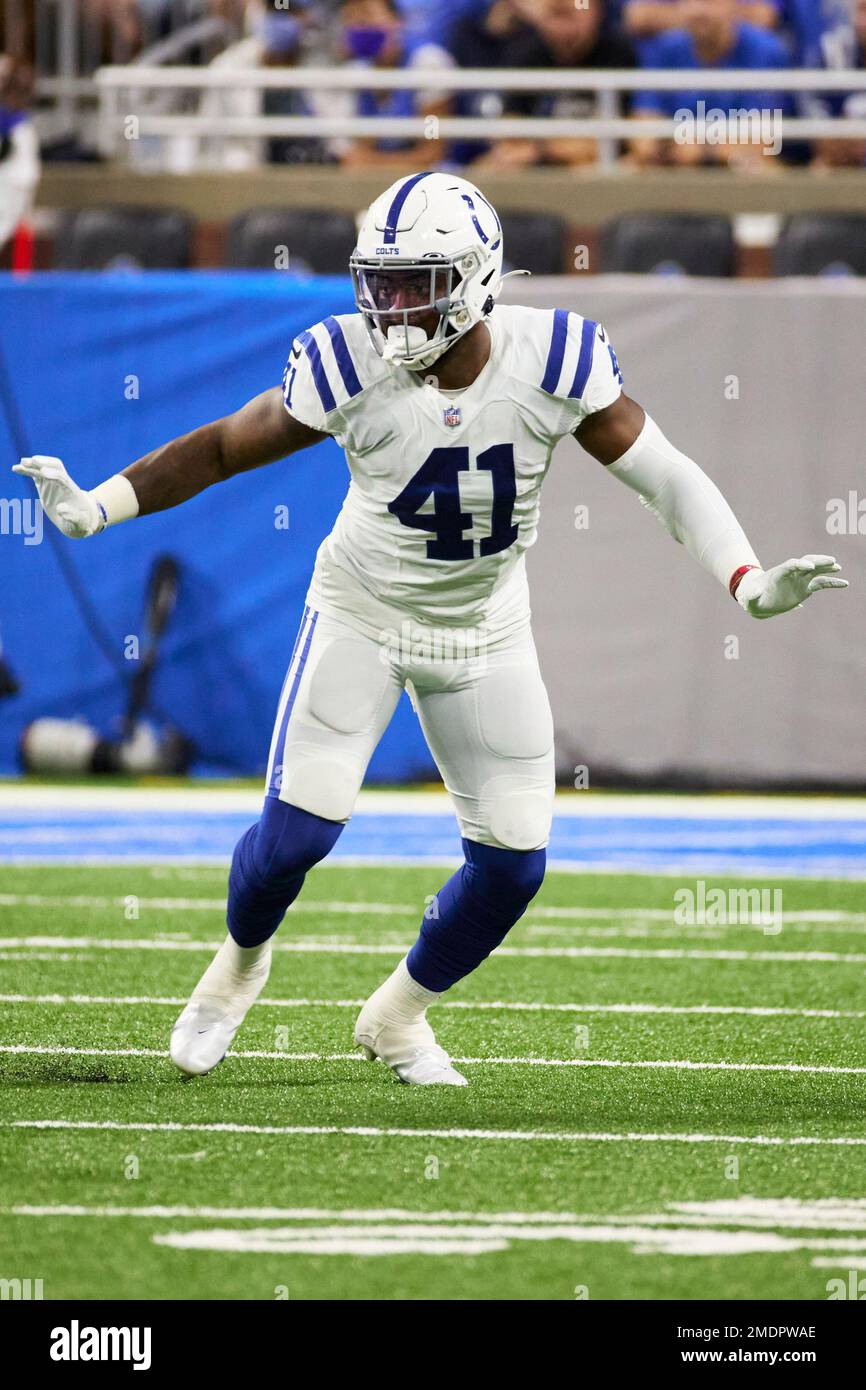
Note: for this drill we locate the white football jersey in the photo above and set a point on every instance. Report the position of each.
(444, 493)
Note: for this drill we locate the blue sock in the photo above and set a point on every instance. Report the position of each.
(269, 864)
(474, 912)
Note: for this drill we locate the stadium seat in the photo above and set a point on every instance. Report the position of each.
(115, 237)
(822, 244)
(534, 241)
(668, 244)
(316, 240)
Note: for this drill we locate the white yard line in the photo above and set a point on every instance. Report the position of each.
(203, 800)
(497, 1005)
(50, 1050)
(376, 1132)
(834, 1214)
(357, 909)
(362, 948)
(291, 1213)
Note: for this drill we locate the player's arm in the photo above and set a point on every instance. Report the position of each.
(690, 506)
(261, 432)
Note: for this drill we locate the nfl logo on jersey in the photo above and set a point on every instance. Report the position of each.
(453, 416)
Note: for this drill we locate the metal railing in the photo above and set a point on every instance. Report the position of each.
(68, 46)
(124, 91)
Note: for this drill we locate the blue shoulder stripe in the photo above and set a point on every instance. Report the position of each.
(344, 357)
(584, 362)
(322, 384)
(556, 355)
(397, 206)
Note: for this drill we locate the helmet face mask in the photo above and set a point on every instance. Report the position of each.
(386, 291)
(426, 269)
(414, 310)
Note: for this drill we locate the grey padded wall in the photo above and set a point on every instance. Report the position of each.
(633, 636)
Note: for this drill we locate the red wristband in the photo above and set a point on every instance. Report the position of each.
(737, 576)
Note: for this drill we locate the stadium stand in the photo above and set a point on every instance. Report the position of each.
(669, 244)
(535, 242)
(320, 241)
(124, 238)
(821, 244)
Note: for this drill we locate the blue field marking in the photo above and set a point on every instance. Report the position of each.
(789, 847)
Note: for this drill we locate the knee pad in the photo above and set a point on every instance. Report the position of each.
(322, 781)
(518, 812)
(287, 841)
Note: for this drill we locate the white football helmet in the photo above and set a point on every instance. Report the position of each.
(431, 242)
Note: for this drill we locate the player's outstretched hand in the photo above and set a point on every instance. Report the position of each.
(766, 593)
(73, 511)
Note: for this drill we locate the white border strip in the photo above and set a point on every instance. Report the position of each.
(219, 800)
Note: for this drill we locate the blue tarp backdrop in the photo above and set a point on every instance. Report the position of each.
(198, 346)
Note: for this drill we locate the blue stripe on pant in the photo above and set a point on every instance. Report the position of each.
(304, 640)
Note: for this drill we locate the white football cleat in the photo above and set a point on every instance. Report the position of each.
(203, 1035)
(409, 1048)
(219, 1004)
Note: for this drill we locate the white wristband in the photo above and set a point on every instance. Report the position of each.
(116, 500)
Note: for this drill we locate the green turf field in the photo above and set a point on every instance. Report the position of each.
(302, 1172)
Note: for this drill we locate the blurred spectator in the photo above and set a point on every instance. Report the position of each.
(286, 41)
(643, 19)
(372, 33)
(117, 33)
(434, 20)
(613, 20)
(498, 36)
(275, 40)
(120, 29)
(570, 38)
(839, 154)
(18, 29)
(714, 37)
(160, 17)
(19, 147)
(821, 32)
(231, 10)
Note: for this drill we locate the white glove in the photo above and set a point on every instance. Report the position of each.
(766, 593)
(73, 511)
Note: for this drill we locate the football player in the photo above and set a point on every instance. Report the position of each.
(448, 409)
